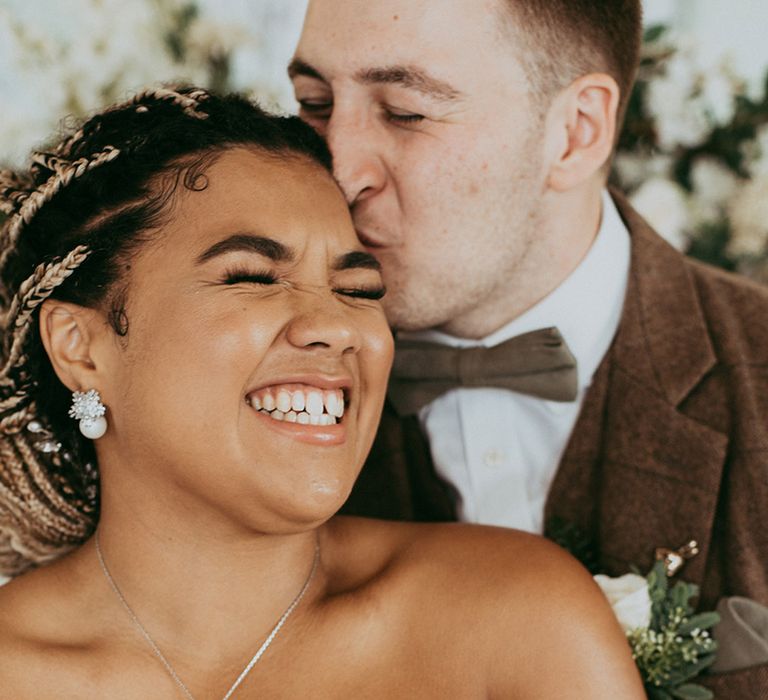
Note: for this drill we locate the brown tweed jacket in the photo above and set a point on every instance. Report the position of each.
(671, 444)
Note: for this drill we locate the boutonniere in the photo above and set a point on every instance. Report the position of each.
(670, 643)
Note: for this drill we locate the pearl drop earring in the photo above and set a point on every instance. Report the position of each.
(88, 409)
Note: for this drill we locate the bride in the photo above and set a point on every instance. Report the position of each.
(194, 364)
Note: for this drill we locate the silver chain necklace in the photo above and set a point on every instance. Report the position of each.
(270, 637)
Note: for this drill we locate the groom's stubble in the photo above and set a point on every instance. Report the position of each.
(440, 146)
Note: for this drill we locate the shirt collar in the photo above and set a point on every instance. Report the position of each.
(586, 307)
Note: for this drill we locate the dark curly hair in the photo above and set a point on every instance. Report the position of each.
(75, 219)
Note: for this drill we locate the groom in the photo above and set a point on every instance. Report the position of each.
(559, 366)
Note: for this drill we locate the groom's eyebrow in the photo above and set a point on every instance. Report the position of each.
(405, 76)
(410, 77)
(299, 67)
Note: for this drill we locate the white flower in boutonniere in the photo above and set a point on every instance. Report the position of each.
(629, 598)
(670, 644)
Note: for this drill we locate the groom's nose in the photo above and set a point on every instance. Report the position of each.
(358, 163)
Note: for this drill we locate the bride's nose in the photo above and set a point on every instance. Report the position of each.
(323, 322)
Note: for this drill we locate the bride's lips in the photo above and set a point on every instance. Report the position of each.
(306, 408)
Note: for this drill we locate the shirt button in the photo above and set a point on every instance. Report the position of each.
(494, 458)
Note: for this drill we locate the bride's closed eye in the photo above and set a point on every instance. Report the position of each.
(372, 293)
(242, 276)
(237, 276)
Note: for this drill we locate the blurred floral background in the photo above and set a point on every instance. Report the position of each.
(693, 155)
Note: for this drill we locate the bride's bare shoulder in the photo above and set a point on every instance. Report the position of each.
(508, 604)
(41, 618)
(467, 555)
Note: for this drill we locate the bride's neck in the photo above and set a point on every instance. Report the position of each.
(197, 582)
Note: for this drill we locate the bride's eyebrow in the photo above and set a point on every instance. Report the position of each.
(356, 259)
(251, 243)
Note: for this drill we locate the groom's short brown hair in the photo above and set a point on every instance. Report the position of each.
(561, 40)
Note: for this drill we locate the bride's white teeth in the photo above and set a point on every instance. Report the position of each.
(334, 403)
(314, 403)
(283, 401)
(268, 401)
(307, 406)
(297, 401)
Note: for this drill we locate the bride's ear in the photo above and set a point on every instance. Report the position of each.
(72, 336)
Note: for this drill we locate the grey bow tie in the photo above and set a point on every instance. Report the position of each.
(538, 363)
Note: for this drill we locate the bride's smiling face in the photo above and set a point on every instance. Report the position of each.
(257, 353)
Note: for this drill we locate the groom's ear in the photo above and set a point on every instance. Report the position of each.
(74, 338)
(581, 130)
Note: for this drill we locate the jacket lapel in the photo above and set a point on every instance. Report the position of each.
(638, 473)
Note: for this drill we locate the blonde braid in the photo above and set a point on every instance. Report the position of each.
(64, 173)
(38, 522)
(33, 292)
(49, 498)
(13, 191)
(189, 104)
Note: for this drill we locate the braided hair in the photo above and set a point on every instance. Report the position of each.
(75, 219)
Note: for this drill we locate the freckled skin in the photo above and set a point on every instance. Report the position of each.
(451, 202)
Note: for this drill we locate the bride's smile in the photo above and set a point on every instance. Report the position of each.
(257, 353)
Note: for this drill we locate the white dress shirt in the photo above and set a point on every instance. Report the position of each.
(501, 449)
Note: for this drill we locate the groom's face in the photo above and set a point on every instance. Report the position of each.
(436, 144)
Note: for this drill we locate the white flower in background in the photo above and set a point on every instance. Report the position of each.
(718, 89)
(635, 168)
(671, 101)
(695, 93)
(629, 598)
(713, 186)
(679, 120)
(756, 153)
(210, 37)
(71, 58)
(70, 63)
(748, 211)
(664, 205)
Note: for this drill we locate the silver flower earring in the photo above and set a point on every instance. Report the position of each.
(88, 409)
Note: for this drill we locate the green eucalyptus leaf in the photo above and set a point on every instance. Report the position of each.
(690, 670)
(691, 691)
(702, 621)
(654, 33)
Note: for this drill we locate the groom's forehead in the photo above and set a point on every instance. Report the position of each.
(413, 43)
(398, 25)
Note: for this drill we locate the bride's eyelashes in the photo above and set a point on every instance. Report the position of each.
(373, 293)
(264, 278)
(237, 276)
